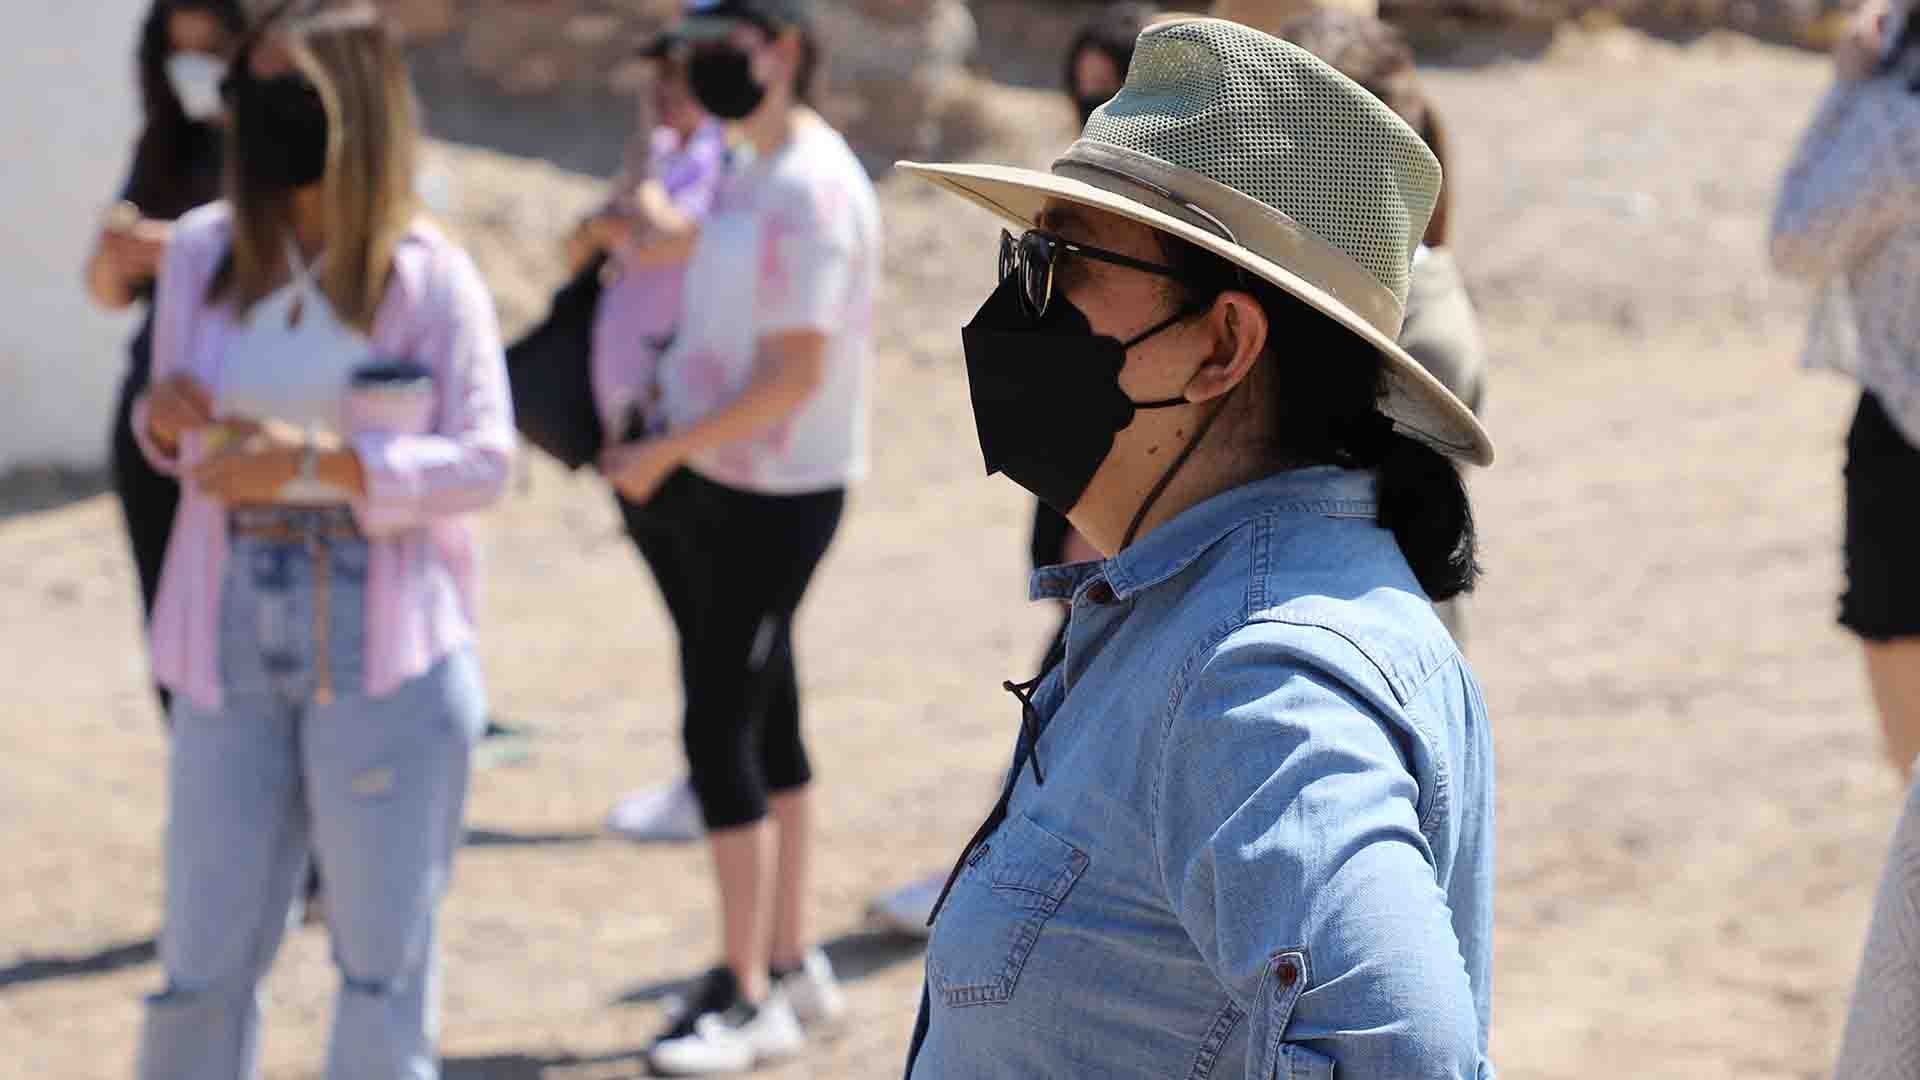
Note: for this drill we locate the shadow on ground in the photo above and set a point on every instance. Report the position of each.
(37, 969)
(538, 1066)
(507, 838)
(855, 956)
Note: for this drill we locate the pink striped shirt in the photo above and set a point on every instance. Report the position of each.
(422, 563)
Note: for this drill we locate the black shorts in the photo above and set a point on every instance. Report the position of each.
(1882, 601)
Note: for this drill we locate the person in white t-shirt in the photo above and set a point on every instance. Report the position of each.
(757, 429)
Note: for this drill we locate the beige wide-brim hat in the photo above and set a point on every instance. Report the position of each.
(1253, 149)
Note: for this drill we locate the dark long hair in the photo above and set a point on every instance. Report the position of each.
(169, 139)
(1328, 383)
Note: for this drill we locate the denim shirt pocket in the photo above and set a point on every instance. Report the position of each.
(996, 913)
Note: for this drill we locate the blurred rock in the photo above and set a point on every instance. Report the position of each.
(892, 67)
(896, 73)
(421, 20)
(1805, 22)
(1269, 15)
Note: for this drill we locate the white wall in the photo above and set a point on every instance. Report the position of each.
(67, 116)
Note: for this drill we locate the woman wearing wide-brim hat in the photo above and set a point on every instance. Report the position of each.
(1248, 830)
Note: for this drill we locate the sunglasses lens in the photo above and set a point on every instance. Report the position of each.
(1009, 255)
(1036, 266)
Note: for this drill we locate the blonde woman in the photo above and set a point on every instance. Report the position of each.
(329, 388)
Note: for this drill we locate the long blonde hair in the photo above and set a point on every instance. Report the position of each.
(350, 53)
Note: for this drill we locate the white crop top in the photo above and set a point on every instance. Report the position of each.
(291, 360)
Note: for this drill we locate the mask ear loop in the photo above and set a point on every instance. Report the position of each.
(1166, 478)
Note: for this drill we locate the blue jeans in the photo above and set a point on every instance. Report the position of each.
(374, 788)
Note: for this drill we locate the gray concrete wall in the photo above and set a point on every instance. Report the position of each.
(67, 116)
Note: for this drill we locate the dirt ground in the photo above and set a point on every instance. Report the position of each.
(1693, 811)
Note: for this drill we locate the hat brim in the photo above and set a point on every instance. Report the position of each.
(1415, 400)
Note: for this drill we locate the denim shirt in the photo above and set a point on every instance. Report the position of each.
(1259, 842)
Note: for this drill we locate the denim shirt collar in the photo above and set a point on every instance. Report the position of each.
(1171, 548)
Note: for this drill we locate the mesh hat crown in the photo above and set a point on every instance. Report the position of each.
(1274, 122)
(1258, 152)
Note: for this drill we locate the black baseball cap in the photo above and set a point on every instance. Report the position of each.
(662, 45)
(705, 20)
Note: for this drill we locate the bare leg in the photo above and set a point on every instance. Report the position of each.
(793, 815)
(740, 860)
(1893, 668)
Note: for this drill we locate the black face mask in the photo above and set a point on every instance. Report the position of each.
(1046, 395)
(281, 125)
(722, 78)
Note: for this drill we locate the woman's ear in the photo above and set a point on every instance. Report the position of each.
(1238, 327)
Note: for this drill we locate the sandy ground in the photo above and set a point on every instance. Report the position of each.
(1693, 810)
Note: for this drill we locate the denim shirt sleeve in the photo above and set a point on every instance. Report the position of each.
(1288, 839)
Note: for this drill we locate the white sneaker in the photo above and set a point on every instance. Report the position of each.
(669, 814)
(736, 1040)
(906, 909)
(813, 992)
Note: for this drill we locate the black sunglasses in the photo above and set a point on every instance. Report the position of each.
(1034, 254)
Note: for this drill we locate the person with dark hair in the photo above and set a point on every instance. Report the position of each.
(1248, 821)
(1441, 329)
(1848, 219)
(1098, 56)
(183, 52)
(737, 487)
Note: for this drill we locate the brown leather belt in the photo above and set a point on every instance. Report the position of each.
(319, 528)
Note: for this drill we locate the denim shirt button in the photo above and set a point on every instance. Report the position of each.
(1289, 974)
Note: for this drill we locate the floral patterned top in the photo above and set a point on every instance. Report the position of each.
(792, 243)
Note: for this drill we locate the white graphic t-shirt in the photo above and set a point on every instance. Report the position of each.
(792, 243)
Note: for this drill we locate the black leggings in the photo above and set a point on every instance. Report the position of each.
(733, 566)
(148, 499)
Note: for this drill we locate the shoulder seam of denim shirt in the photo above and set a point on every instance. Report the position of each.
(1443, 776)
(1403, 688)
(1436, 800)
